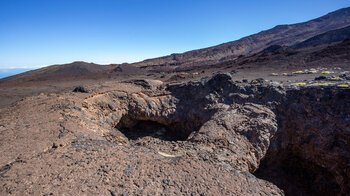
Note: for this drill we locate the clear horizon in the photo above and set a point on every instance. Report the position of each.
(37, 33)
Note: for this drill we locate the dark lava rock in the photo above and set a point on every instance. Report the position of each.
(147, 83)
(321, 78)
(258, 81)
(81, 89)
(213, 137)
(344, 76)
(221, 77)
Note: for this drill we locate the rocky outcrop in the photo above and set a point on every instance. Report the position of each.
(214, 115)
(310, 154)
(202, 137)
(232, 125)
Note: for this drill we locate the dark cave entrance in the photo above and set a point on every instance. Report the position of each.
(296, 175)
(135, 129)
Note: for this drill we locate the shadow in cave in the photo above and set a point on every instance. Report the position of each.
(297, 176)
(136, 129)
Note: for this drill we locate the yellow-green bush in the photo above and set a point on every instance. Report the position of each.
(335, 79)
(343, 85)
(298, 72)
(300, 83)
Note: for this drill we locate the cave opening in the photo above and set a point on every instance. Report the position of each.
(134, 129)
(296, 175)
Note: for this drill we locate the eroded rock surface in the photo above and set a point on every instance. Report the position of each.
(310, 154)
(202, 138)
(218, 120)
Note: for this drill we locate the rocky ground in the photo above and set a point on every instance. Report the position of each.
(214, 135)
(268, 114)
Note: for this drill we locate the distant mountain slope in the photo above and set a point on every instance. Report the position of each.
(329, 37)
(340, 51)
(280, 35)
(328, 56)
(12, 71)
(72, 71)
(276, 43)
(59, 72)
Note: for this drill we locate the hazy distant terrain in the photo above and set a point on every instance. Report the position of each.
(10, 72)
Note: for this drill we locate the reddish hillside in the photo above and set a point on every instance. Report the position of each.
(59, 72)
(280, 35)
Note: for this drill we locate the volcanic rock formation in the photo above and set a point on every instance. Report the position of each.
(202, 137)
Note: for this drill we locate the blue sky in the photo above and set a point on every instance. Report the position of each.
(35, 33)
